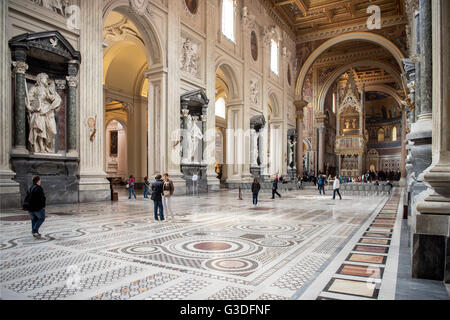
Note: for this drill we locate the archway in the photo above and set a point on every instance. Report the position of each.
(338, 72)
(275, 137)
(126, 107)
(364, 36)
(228, 115)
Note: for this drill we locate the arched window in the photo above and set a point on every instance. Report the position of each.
(274, 56)
(381, 135)
(228, 19)
(394, 134)
(220, 108)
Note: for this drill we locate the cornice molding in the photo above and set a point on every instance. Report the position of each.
(328, 33)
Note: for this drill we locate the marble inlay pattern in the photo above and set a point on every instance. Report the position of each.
(361, 275)
(227, 251)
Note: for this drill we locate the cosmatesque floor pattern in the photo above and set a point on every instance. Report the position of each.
(302, 246)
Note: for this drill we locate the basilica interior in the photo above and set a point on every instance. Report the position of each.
(227, 91)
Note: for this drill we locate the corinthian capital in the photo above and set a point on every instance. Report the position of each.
(72, 81)
(20, 67)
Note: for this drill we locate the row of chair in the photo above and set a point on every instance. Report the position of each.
(364, 189)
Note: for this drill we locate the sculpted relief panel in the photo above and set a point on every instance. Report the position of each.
(254, 91)
(190, 56)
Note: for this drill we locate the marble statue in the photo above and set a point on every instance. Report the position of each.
(255, 151)
(192, 135)
(291, 150)
(42, 103)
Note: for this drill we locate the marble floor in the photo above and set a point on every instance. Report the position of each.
(302, 246)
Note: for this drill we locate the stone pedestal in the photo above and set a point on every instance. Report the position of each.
(189, 170)
(256, 172)
(58, 176)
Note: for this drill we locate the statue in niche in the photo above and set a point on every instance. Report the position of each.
(347, 124)
(292, 144)
(189, 57)
(255, 151)
(193, 134)
(42, 103)
(353, 123)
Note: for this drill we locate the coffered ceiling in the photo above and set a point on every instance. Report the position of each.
(309, 16)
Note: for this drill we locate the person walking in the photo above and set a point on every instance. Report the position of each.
(255, 190)
(336, 188)
(157, 192)
(35, 205)
(168, 189)
(130, 184)
(146, 187)
(275, 187)
(321, 185)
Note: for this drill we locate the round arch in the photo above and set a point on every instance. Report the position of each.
(275, 105)
(386, 89)
(338, 72)
(230, 75)
(364, 36)
(152, 40)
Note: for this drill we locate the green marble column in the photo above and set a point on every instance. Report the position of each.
(203, 117)
(20, 139)
(72, 114)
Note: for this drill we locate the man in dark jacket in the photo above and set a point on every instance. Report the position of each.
(157, 192)
(275, 187)
(36, 206)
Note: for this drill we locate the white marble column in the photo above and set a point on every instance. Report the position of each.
(321, 129)
(9, 189)
(403, 156)
(299, 105)
(431, 239)
(211, 33)
(92, 185)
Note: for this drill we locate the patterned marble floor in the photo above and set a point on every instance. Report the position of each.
(216, 248)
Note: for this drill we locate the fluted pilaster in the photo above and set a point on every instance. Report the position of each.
(9, 189)
(92, 175)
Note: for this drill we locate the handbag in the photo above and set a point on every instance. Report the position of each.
(127, 186)
(166, 193)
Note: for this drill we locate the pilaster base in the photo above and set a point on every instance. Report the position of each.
(429, 256)
(94, 188)
(9, 191)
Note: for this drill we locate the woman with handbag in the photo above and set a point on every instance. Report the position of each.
(130, 185)
(168, 189)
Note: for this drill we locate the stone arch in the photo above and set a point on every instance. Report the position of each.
(386, 89)
(230, 74)
(152, 40)
(338, 72)
(364, 36)
(276, 111)
(307, 143)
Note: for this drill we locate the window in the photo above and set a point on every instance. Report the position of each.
(228, 19)
(220, 108)
(394, 134)
(274, 56)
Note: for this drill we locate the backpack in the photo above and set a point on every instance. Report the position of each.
(26, 202)
(320, 182)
